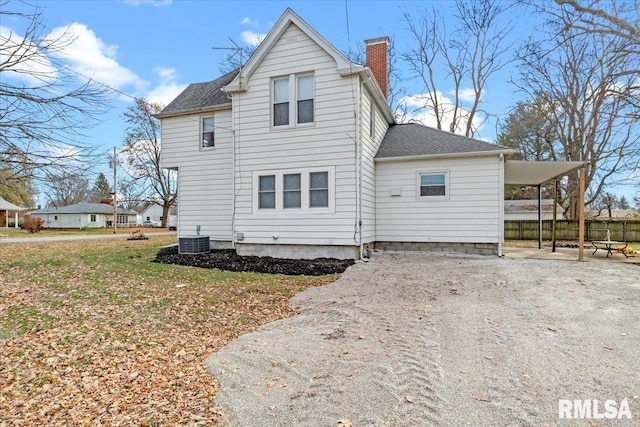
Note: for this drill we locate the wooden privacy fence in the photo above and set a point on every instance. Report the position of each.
(624, 231)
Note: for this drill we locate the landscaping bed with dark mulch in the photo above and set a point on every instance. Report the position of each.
(229, 260)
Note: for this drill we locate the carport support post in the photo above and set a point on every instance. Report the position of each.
(555, 212)
(539, 216)
(581, 215)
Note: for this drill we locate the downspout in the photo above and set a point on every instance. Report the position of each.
(233, 180)
(359, 165)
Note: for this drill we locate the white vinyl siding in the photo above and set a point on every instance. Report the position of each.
(325, 144)
(369, 149)
(470, 214)
(204, 176)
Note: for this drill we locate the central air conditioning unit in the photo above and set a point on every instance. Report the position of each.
(193, 245)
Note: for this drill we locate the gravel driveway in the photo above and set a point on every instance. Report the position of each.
(412, 339)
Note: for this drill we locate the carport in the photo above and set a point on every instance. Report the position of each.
(536, 173)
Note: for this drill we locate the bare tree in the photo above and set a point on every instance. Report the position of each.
(586, 96)
(471, 53)
(66, 189)
(44, 106)
(142, 155)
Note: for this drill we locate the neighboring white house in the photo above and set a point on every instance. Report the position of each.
(149, 212)
(299, 155)
(84, 215)
(528, 210)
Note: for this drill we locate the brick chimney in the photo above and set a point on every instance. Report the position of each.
(378, 61)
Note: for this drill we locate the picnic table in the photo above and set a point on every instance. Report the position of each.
(609, 246)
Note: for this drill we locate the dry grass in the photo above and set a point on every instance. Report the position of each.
(93, 333)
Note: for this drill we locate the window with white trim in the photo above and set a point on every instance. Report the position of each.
(300, 190)
(433, 185)
(208, 132)
(92, 218)
(293, 100)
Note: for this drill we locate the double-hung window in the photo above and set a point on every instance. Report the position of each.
(293, 99)
(267, 192)
(292, 191)
(433, 185)
(92, 218)
(208, 130)
(301, 190)
(319, 189)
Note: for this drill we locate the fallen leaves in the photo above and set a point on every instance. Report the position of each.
(101, 336)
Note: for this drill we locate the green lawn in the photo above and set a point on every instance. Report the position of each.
(95, 333)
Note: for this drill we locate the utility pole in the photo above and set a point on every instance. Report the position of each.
(115, 191)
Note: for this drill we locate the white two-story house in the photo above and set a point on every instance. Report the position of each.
(297, 155)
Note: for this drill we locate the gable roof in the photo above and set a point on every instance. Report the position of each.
(200, 97)
(290, 17)
(83, 208)
(412, 140)
(344, 67)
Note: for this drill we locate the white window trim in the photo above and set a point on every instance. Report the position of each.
(93, 218)
(201, 132)
(304, 184)
(372, 121)
(293, 101)
(447, 188)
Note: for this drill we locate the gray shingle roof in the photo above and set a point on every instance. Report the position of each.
(412, 139)
(83, 208)
(201, 95)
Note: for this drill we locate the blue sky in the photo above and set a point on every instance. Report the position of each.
(154, 48)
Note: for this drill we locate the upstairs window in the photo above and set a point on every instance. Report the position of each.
(433, 185)
(293, 100)
(305, 99)
(208, 129)
(281, 102)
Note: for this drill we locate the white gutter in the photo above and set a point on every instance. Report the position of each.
(444, 156)
(208, 109)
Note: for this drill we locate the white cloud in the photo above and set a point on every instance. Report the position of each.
(167, 89)
(251, 38)
(35, 69)
(467, 95)
(420, 109)
(155, 3)
(89, 56)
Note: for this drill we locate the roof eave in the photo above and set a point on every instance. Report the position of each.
(445, 155)
(198, 110)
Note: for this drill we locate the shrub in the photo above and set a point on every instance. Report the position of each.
(32, 224)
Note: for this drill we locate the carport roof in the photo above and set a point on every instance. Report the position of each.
(523, 172)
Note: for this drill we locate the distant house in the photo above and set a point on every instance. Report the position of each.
(9, 211)
(150, 211)
(528, 210)
(84, 215)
